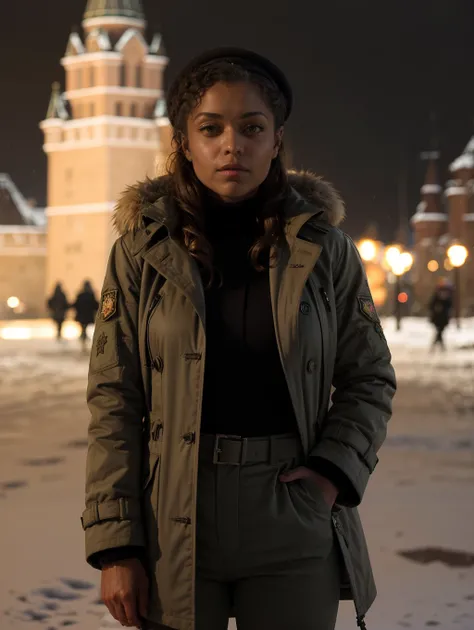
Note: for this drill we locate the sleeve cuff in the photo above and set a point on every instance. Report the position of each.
(116, 554)
(334, 474)
(111, 534)
(344, 462)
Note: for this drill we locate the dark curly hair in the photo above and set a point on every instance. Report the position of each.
(188, 191)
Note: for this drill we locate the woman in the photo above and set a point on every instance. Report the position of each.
(219, 482)
(86, 306)
(58, 306)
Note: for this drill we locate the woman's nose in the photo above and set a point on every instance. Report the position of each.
(232, 143)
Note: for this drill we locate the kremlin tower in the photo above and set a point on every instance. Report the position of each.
(107, 130)
(430, 225)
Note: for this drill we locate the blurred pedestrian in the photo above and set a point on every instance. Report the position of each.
(231, 304)
(58, 306)
(441, 305)
(86, 306)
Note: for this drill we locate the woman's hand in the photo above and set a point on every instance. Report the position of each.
(327, 488)
(125, 591)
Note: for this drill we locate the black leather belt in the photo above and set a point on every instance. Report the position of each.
(235, 450)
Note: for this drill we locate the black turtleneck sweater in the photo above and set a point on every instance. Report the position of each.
(245, 391)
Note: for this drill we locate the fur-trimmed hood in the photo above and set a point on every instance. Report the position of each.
(313, 189)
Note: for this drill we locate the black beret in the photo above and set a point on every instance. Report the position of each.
(247, 59)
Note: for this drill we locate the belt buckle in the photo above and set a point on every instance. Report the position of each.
(218, 449)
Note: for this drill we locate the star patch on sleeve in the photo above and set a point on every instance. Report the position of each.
(101, 343)
(108, 305)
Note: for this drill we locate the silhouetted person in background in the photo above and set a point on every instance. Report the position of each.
(58, 306)
(86, 306)
(441, 305)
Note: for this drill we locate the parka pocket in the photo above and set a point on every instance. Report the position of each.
(151, 472)
(325, 315)
(152, 434)
(152, 455)
(150, 494)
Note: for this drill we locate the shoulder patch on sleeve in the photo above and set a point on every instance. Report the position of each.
(367, 308)
(108, 305)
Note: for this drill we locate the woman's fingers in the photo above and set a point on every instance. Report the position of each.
(117, 611)
(293, 475)
(125, 590)
(129, 604)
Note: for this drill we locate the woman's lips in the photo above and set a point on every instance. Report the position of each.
(233, 171)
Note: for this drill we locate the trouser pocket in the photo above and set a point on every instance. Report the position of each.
(313, 495)
(281, 521)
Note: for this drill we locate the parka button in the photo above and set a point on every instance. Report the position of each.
(305, 308)
(189, 438)
(311, 366)
(158, 364)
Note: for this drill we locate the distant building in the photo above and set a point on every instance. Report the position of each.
(106, 131)
(460, 194)
(443, 217)
(22, 253)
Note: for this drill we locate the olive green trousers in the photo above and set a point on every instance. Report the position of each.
(266, 553)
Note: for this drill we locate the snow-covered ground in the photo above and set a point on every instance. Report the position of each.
(420, 502)
(450, 372)
(417, 333)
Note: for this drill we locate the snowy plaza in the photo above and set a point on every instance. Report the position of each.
(418, 510)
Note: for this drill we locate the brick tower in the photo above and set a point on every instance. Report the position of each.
(460, 194)
(430, 225)
(107, 130)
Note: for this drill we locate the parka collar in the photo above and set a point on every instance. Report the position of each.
(148, 208)
(149, 203)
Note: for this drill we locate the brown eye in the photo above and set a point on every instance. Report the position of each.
(253, 130)
(209, 129)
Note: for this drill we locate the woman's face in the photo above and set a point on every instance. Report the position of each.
(231, 140)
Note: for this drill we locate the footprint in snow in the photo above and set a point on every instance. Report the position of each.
(43, 461)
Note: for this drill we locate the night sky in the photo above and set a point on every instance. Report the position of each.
(366, 75)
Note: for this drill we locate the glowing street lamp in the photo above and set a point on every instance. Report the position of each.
(392, 255)
(13, 302)
(368, 250)
(399, 262)
(405, 262)
(457, 256)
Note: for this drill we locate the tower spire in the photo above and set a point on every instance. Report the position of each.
(114, 8)
(434, 131)
(56, 108)
(431, 189)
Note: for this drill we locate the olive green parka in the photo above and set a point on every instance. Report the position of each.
(144, 434)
